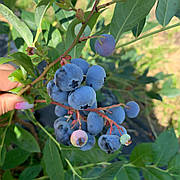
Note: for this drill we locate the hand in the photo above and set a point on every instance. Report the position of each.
(9, 101)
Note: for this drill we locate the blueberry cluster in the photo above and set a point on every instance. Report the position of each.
(80, 120)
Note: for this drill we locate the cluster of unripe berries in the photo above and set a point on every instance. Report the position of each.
(80, 120)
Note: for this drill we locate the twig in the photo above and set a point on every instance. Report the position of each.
(76, 41)
(107, 107)
(97, 110)
(78, 118)
(56, 103)
(89, 37)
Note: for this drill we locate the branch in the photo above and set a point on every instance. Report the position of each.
(76, 41)
(105, 108)
(97, 110)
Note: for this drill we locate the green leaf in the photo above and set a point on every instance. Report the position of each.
(165, 10)
(174, 165)
(154, 95)
(17, 75)
(155, 174)
(138, 28)
(4, 28)
(2, 155)
(168, 83)
(14, 158)
(142, 154)
(64, 17)
(95, 155)
(170, 92)
(116, 171)
(128, 14)
(93, 172)
(52, 160)
(20, 26)
(28, 17)
(7, 175)
(53, 38)
(162, 76)
(5, 60)
(165, 147)
(30, 172)
(41, 9)
(146, 79)
(25, 61)
(25, 140)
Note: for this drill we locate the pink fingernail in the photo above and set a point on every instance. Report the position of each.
(23, 105)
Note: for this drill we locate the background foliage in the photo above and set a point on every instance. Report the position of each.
(28, 149)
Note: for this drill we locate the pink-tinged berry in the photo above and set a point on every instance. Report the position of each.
(79, 138)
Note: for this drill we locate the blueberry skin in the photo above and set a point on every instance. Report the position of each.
(62, 132)
(133, 109)
(95, 123)
(84, 65)
(95, 77)
(68, 77)
(105, 46)
(58, 121)
(56, 94)
(117, 115)
(115, 131)
(82, 98)
(109, 143)
(90, 143)
(60, 111)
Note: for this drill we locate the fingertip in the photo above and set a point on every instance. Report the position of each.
(8, 102)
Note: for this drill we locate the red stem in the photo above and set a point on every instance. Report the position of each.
(92, 110)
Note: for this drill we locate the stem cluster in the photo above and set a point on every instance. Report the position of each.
(97, 110)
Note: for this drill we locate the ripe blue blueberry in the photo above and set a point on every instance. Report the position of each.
(56, 94)
(117, 115)
(105, 45)
(90, 143)
(132, 110)
(115, 131)
(84, 65)
(60, 111)
(82, 98)
(56, 122)
(109, 143)
(95, 123)
(68, 77)
(62, 132)
(95, 77)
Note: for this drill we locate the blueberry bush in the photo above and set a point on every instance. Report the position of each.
(68, 57)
